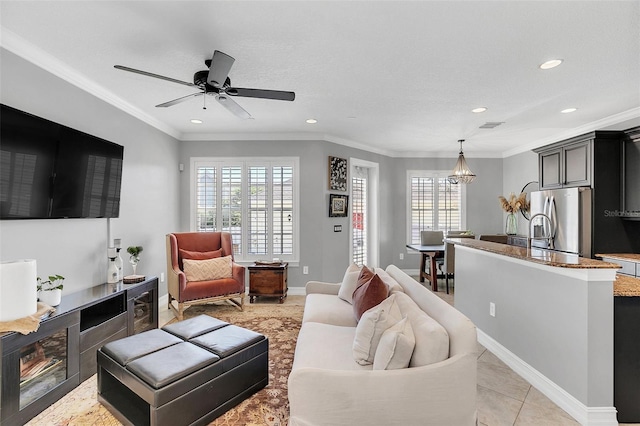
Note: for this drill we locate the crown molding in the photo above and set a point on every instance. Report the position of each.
(19, 46)
(633, 113)
(26, 50)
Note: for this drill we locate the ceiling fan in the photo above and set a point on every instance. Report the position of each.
(215, 81)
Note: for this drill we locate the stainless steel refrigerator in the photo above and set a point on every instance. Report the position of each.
(570, 213)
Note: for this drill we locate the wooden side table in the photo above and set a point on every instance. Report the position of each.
(268, 280)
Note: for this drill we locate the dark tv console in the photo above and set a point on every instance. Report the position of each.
(41, 367)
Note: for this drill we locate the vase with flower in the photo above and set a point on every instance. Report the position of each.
(513, 205)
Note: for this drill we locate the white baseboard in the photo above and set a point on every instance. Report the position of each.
(163, 302)
(412, 272)
(592, 416)
(296, 291)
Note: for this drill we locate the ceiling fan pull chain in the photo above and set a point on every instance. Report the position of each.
(204, 101)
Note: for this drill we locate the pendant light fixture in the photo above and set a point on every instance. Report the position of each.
(461, 172)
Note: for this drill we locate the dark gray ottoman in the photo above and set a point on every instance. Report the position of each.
(186, 373)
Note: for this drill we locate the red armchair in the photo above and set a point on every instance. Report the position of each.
(186, 293)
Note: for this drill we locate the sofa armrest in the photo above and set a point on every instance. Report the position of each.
(322, 288)
(439, 394)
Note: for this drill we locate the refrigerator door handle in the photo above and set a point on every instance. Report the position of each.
(545, 226)
(553, 215)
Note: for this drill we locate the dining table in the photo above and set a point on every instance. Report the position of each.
(428, 256)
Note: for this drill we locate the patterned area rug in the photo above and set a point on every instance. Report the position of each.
(269, 406)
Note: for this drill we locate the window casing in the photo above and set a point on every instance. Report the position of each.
(255, 199)
(433, 203)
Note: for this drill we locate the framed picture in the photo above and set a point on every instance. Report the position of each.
(338, 205)
(337, 174)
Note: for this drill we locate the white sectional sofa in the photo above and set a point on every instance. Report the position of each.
(328, 387)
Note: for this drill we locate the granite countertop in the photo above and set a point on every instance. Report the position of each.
(626, 286)
(545, 257)
(630, 257)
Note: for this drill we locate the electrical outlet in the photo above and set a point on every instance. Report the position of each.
(161, 277)
(305, 270)
(492, 309)
(401, 256)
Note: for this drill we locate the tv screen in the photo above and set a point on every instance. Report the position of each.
(48, 170)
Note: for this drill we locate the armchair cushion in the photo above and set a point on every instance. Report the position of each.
(199, 255)
(208, 269)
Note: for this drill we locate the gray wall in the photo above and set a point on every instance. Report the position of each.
(518, 170)
(77, 248)
(483, 210)
(326, 252)
(567, 337)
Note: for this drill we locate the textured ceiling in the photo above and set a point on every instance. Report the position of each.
(394, 77)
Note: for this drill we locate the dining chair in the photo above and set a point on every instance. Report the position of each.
(431, 238)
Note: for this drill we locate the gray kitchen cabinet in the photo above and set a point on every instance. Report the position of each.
(571, 163)
(631, 175)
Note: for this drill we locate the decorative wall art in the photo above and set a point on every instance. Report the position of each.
(338, 205)
(337, 174)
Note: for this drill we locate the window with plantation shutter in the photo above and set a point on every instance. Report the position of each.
(254, 199)
(433, 204)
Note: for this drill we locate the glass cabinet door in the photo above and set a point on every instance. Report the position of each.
(43, 366)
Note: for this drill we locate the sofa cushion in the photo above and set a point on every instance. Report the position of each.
(209, 269)
(373, 323)
(368, 295)
(349, 283)
(326, 346)
(432, 340)
(396, 347)
(393, 285)
(328, 309)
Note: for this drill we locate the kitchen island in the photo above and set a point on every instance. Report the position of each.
(547, 315)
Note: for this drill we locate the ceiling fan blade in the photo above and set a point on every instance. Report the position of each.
(232, 106)
(150, 74)
(177, 101)
(278, 95)
(221, 64)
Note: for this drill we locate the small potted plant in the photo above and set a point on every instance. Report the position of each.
(50, 291)
(134, 258)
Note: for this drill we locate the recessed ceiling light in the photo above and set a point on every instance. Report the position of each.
(312, 121)
(477, 110)
(568, 110)
(196, 121)
(550, 64)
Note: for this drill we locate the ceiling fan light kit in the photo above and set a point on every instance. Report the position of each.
(461, 172)
(215, 81)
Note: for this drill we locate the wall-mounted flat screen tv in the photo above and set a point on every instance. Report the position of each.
(48, 170)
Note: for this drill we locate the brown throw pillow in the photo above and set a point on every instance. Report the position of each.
(365, 275)
(369, 295)
(200, 255)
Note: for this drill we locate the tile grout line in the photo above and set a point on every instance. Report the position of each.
(522, 406)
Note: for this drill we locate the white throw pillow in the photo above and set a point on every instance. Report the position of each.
(396, 347)
(370, 328)
(209, 269)
(393, 285)
(432, 340)
(349, 283)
